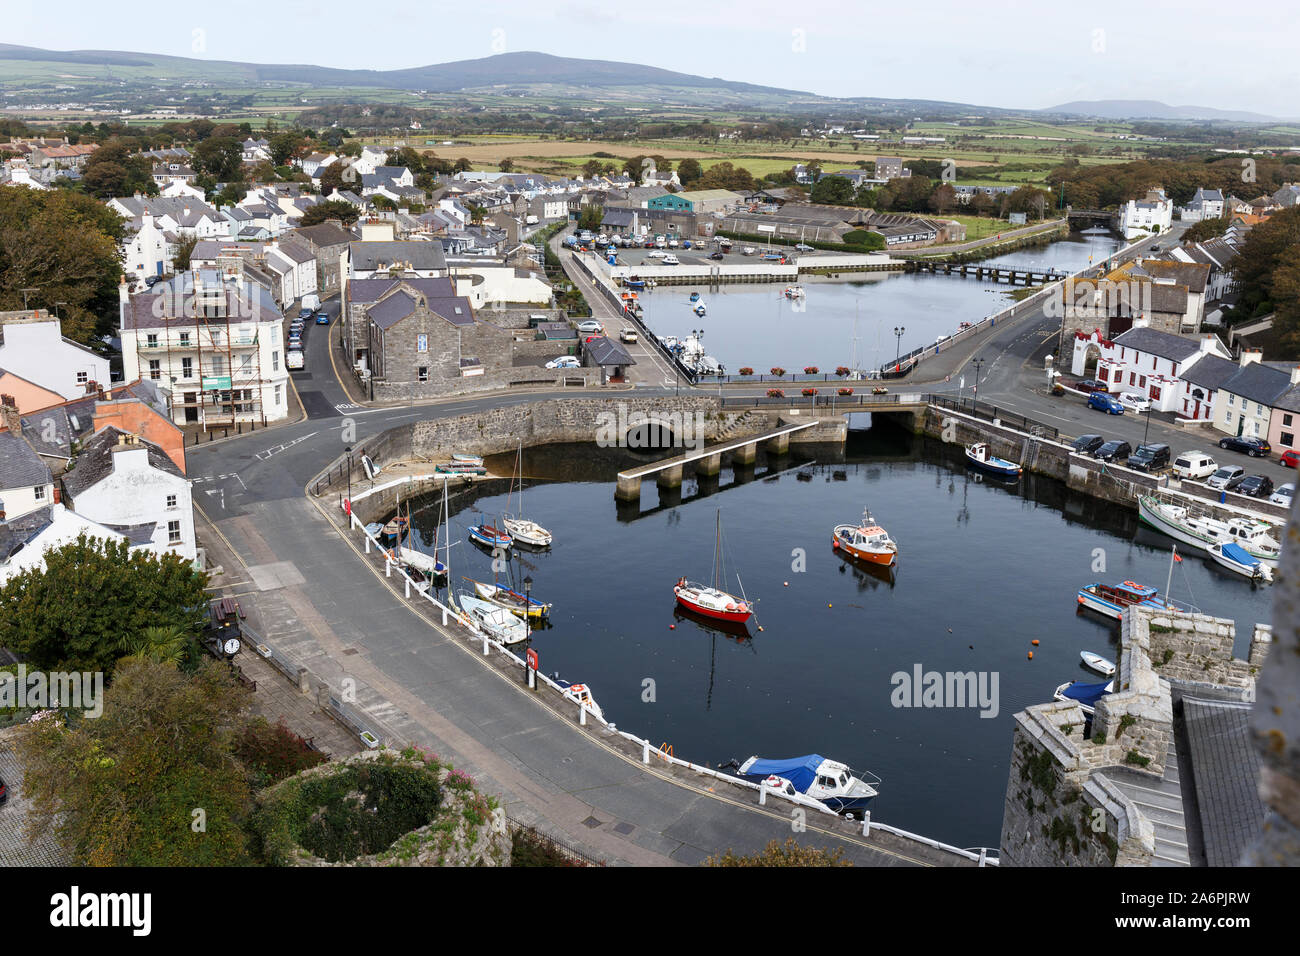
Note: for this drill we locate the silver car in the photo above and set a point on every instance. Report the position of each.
(1283, 494)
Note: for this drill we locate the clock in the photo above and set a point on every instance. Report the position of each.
(231, 646)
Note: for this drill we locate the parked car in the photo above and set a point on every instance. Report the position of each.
(591, 327)
(1283, 494)
(564, 361)
(1257, 486)
(1091, 385)
(628, 335)
(1149, 457)
(294, 360)
(686, 243)
(1135, 400)
(716, 256)
(1113, 451)
(1194, 465)
(648, 244)
(1289, 459)
(1226, 478)
(322, 318)
(804, 247)
(657, 254)
(304, 313)
(1105, 403)
(1254, 447)
(1087, 444)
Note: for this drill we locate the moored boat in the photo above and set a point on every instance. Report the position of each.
(981, 457)
(1112, 599)
(581, 694)
(700, 309)
(459, 468)
(514, 602)
(828, 781)
(421, 561)
(521, 529)
(695, 297)
(1253, 535)
(794, 292)
(1236, 558)
(1085, 695)
(712, 601)
(1098, 663)
(866, 541)
(489, 536)
(496, 621)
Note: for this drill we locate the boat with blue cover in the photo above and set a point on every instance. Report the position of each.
(812, 775)
(1236, 558)
(1085, 695)
(980, 456)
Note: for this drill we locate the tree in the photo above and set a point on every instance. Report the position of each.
(122, 790)
(220, 157)
(74, 614)
(689, 171)
(344, 212)
(1266, 248)
(943, 199)
(285, 147)
(590, 216)
(1206, 229)
(1286, 299)
(64, 244)
(833, 190)
(184, 249)
(506, 165)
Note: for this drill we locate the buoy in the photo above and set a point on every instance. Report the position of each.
(1031, 655)
(1035, 643)
(672, 627)
(760, 627)
(829, 605)
(949, 630)
(785, 583)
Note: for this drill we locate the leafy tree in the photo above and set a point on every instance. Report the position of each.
(1206, 229)
(184, 249)
(689, 171)
(777, 854)
(864, 240)
(590, 216)
(64, 244)
(462, 165)
(220, 157)
(93, 594)
(943, 200)
(1286, 299)
(344, 212)
(506, 165)
(1267, 248)
(113, 170)
(286, 147)
(122, 790)
(834, 190)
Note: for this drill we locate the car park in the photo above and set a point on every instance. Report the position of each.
(1135, 401)
(1254, 447)
(1087, 444)
(1283, 494)
(1151, 457)
(1194, 465)
(1226, 478)
(564, 361)
(591, 327)
(1257, 486)
(1105, 403)
(1113, 451)
(1289, 459)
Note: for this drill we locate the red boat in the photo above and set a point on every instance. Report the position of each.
(712, 601)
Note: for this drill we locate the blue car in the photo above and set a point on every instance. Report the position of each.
(322, 319)
(1105, 403)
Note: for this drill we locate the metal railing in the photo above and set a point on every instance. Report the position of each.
(991, 413)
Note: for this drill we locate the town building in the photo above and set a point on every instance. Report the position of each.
(1153, 214)
(1206, 204)
(25, 539)
(891, 167)
(701, 202)
(26, 481)
(32, 347)
(1247, 397)
(1153, 363)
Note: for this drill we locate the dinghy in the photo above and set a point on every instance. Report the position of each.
(499, 623)
(1098, 663)
(514, 602)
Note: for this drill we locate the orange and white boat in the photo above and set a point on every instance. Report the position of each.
(866, 541)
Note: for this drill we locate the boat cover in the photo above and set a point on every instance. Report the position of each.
(1239, 554)
(1087, 694)
(800, 771)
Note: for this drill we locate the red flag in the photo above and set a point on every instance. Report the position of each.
(1178, 557)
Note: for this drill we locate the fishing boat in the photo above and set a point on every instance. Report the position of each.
(1112, 599)
(496, 621)
(794, 292)
(828, 781)
(695, 297)
(1098, 663)
(393, 528)
(489, 536)
(980, 456)
(581, 694)
(471, 460)
(1253, 535)
(520, 529)
(1236, 558)
(712, 601)
(1085, 695)
(459, 468)
(632, 282)
(866, 541)
(517, 604)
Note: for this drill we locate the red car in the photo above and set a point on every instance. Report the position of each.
(1088, 385)
(1290, 459)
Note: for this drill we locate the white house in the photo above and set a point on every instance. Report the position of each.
(179, 189)
(130, 486)
(294, 265)
(1153, 214)
(1153, 363)
(371, 158)
(20, 175)
(25, 480)
(182, 215)
(32, 346)
(255, 150)
(25, 540)
(147, 252)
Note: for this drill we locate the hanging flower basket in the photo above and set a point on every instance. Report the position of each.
(775, 393)
(810, 370)
(846, 391)
(842, 370)
(746, 370)
(777, 371)
(810, 391)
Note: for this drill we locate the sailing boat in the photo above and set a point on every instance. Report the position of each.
(520, 528)
(412, 557)
(713, 601)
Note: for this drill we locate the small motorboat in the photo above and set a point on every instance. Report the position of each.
(489, 536)
(1098, 663)
(514, 602)
(695, 297)
(1085, 695)
(1112, 599)
(829, 781)
(499, 623)
(471, 460)
(393, 529)
(700, 309)
(794, 292)
(459, 468)
(632, 282)
(1236, 558)
(866, 541)
(980, 456)
(581, 694)
(374, 528)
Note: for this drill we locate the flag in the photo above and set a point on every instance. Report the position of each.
(1178, 557)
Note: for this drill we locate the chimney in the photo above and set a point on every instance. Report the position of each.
(1207, 342)
(1295, 375)
(1248, 356)
(9, 416)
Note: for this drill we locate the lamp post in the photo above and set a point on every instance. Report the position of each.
(528, 605)
(898, 344)
(349, 451)
(1146, 431)
(978, 363)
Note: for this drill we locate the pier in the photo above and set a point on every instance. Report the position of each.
(987, 273)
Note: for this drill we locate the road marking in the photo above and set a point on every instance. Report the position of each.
(264, 455)
(345, 407)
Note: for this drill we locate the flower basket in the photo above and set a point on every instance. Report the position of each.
(846, 391)
(810, 370)
(778, 371)
(746, 370)
(810, 391)
(775, 393)
(842, 370)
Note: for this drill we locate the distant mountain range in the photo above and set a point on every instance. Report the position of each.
(1153, 109)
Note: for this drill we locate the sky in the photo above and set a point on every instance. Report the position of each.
(1005, 53)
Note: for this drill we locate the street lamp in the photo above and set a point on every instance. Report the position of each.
(349, 451)
(898, 340)
(1147, 430)
(978, 363)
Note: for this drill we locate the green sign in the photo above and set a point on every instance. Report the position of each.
(216, 382)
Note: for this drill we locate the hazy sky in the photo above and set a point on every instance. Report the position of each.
(994, 53)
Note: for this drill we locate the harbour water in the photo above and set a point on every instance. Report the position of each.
(984, 569)
(756, 326)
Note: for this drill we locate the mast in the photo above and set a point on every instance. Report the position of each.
(1173, 556)
(717, 549)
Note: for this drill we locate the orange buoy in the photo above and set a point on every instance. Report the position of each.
(1035, 643)
(760, 627)
(785, 583)
(672, 627)
(1031, 655)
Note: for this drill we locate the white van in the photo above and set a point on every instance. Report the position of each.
(1196, 465)
(294, 360)
(311, 301)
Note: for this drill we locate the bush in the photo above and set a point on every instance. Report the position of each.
(811, 370)
(777, 371)
(746, 370)
(788, 854)
(864, 239)
(775, 393)
(272, 752)
(530, 848)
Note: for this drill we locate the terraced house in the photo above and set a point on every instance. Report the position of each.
(1247, 399)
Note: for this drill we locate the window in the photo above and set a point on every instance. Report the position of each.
(424, 373)
(1288, 439)
(155, 369)
(173, 532)
(275, 361)
(151, 340)
(187, 368)
(277, 394)
(171, 501)
(185, 338)
(1259, 409)
(1286, 420)
(39, 492)
(82, 378)
(422, 342)
(218, 365)
(1229, 418)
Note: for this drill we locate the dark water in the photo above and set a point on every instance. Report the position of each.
(756, 326)
(984, 568)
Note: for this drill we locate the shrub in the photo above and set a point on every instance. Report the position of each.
(775, 393)
(746, 370)
(777, 370)
(272, 752)
(810, 370)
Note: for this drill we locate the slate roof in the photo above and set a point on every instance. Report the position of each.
(1209, 372)
(324, 234)
(1258, 382)
(1193, 275)
(63, 423)
(15, 533)
(605, 351)
(20, 466)
(388, 312)
(1155, 342)
(1290, 400)
(245, 302)
(1225, 772)
(296, 251)
(362, 291)
(94, 462)
(376, 255)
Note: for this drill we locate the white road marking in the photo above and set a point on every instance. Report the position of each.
(264, 455)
